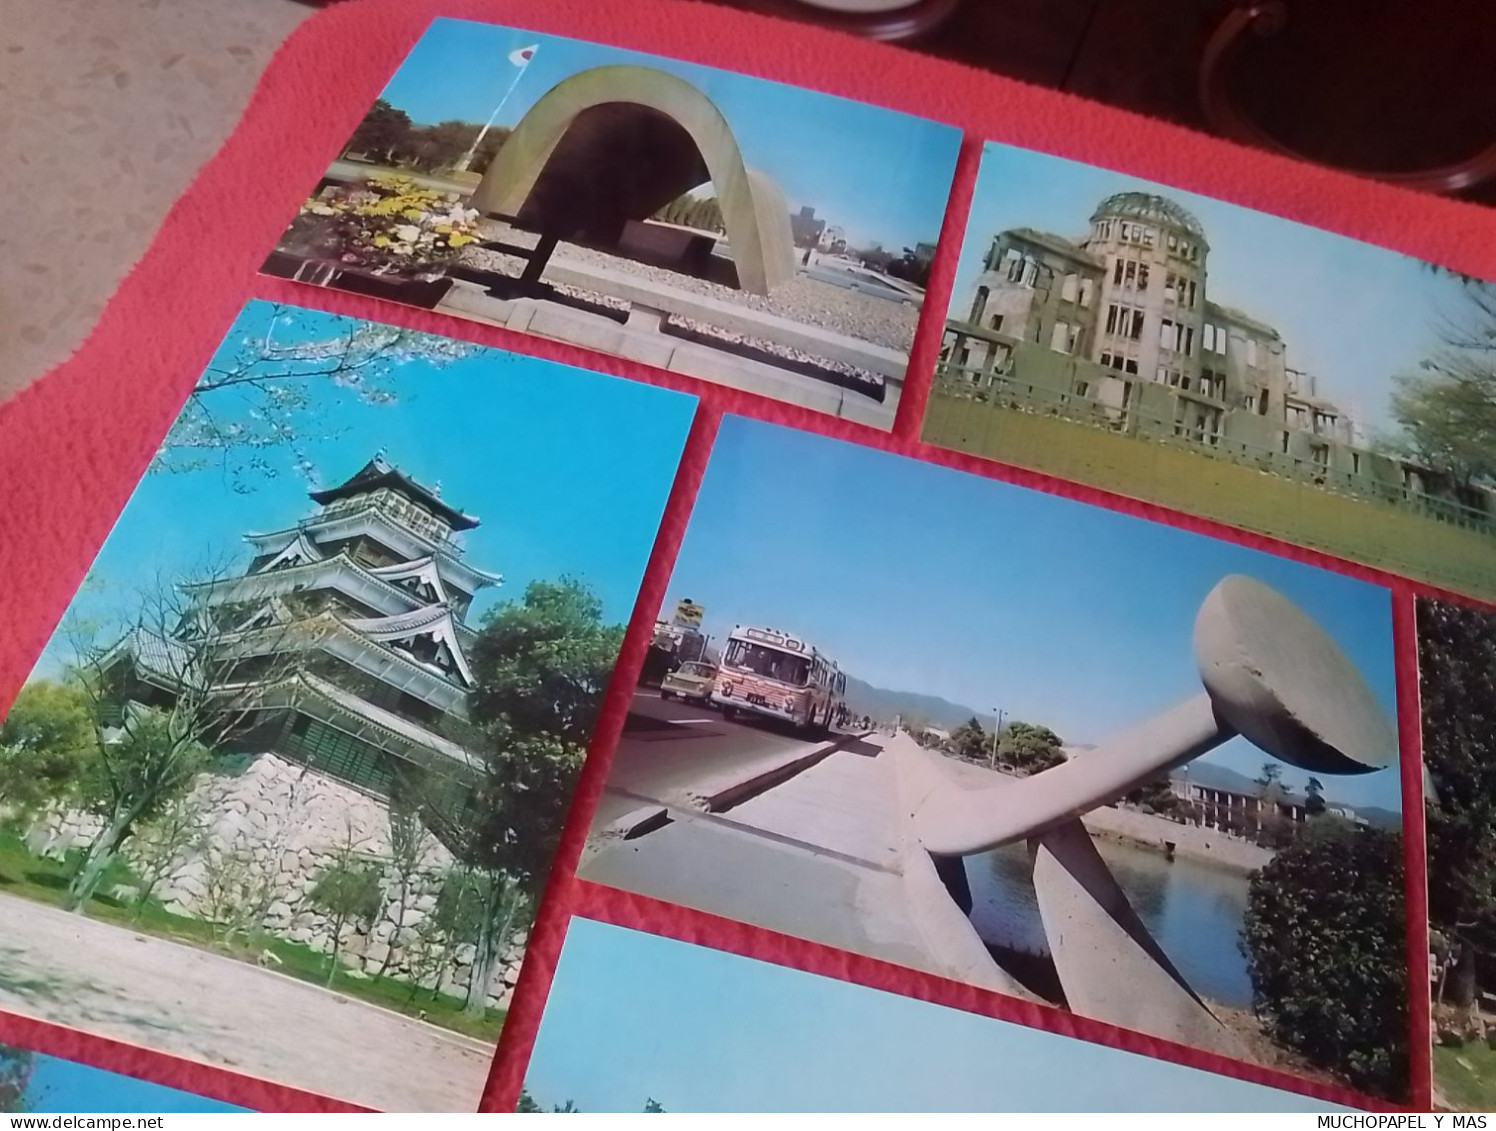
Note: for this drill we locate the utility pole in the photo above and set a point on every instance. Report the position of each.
(997, 725)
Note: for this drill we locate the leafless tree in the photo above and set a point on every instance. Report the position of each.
(409, 845)
(255, 396)
(162, 845)
(188, 671)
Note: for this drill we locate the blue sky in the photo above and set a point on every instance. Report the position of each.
(880, 174)
(1352, 313)
(920, 578)
(632, 1016)
(568, 471)
(64, 1086)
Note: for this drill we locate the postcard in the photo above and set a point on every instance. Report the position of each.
(1047, 749)
(285, 740)
(32, 1083)
(913, 1056)
(1224, 362)
(1456, 662)
(740, 231)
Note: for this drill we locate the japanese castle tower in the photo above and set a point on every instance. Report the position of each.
(349, 628)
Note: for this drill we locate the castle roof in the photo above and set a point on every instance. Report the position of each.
(379, 473)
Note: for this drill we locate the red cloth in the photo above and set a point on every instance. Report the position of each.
(73, 444)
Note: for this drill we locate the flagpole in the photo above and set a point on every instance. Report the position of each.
(472, 152)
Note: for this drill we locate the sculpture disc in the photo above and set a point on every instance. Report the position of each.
(1278, 679)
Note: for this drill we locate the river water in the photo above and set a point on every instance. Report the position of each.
(1193, 909)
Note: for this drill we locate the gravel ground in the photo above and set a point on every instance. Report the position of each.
(802, 299)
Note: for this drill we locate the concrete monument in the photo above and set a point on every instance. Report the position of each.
(615, 144)
(1271, 675)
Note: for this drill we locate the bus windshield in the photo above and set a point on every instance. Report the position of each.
(770, 663)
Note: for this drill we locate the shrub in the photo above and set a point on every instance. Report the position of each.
(1324, 935)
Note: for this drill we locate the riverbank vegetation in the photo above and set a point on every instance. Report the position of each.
(1457, 686)
(1326, 944)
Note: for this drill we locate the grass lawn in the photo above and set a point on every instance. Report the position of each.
(1466, 1076)
(1378, 534)
(45, 880)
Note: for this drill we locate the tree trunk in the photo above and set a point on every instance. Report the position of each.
(389, 955)
(1460, 990)
(337, 945)
(96, 860)
(492, 934)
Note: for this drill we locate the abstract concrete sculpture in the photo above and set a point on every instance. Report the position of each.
(1270, 675)
(617, 143)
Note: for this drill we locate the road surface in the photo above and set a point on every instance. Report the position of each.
(670, 749)
(818, 854)
(109, 980)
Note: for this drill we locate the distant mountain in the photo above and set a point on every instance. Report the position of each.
(1380, 818)
(863, 698)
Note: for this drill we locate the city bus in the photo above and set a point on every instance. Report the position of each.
(768, 672)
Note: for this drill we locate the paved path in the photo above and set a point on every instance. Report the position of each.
(818, 856)
(109, 980)
(671, 749)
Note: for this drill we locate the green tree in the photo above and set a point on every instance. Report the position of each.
(1270, 823)
(540, 666)
(1155, 795)
(1314, 798)
(383, 133)
(45, 742)
(1447, 408)
(1326, 950)
(1029, 747)
(409, 844)
(480, 907)
(16, 1067)
(542, 663)
(1457, 691)
(969, 742)
(347, 892)
(911, 268)
(141, 768)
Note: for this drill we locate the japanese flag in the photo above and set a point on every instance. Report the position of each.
(522, 57)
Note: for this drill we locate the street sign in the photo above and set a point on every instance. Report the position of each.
(688, 613)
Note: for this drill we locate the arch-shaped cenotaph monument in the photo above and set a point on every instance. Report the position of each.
(617, 143)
